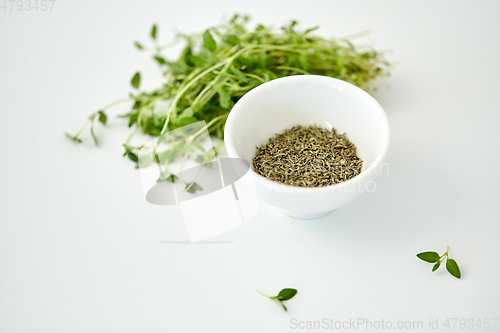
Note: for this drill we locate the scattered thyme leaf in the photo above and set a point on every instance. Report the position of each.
(102, 117)
(172, 178)
(132, 156)
(429, 256)
(192, 187)
(436, 266)
(196, 187)
(284, 295)
(136, 80)
(160, 60)
(452, 267)
(153, 31)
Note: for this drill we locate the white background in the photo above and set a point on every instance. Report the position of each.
(82, 251)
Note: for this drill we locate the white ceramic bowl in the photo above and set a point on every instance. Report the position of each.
(280, 104)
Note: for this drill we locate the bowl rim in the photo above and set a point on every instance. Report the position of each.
(231, 151)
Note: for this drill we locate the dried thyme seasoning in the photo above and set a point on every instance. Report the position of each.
(308, 157)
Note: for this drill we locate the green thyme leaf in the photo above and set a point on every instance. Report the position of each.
(132, 119)
(188, 112)
(452, 267)
(232, 39)
(187, 120)
(132, 156)
(286, 294)
(153, 31)
(136, 80)
(160, 60)
(239, 74)
(102, 117)
(223, 97)
(138, 45)
(311, 30)
(193, 187)
(209, 41)
(436, 266)
(196, 187)
(429, 256)
(172, 178)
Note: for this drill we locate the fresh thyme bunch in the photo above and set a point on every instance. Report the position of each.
(220, 65)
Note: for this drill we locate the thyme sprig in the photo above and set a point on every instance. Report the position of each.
(219, 65)
(436, 259)
(284, 295)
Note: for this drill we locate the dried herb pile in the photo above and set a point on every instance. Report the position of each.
(222, 63)
(308, 157)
